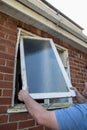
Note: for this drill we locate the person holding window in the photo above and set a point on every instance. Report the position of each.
(72, 118)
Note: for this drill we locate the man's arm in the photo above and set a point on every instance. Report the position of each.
(39, 113)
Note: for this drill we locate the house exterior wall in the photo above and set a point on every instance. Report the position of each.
(8, 38)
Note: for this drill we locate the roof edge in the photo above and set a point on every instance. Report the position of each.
(59, 12)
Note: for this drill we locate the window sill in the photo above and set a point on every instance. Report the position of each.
(21, 107)
(17, 109)
(59, 105)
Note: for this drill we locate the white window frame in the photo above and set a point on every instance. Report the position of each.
(70, 93)
(64, 58)
(65, 61)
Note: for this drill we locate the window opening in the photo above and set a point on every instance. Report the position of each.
(18, 81)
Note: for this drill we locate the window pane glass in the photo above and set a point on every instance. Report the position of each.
(42, 69)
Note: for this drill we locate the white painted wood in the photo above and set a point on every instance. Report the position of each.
(70, 92)
(23, 68)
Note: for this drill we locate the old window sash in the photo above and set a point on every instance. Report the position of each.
(50, 89)
(22, 32)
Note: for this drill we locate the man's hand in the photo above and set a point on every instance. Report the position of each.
(75, 89)
(81, 98)
(23, 95)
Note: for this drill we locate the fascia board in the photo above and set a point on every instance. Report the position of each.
(28, 16)
(54, 17)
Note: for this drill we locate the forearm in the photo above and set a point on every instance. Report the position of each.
(38, 112)
(34, 108)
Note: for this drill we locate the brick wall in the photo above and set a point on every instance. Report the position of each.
(78, 64)
(8, 36)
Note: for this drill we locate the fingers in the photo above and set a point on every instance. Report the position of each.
(73, 88)
(23, 94)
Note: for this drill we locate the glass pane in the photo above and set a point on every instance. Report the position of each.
(43, 72)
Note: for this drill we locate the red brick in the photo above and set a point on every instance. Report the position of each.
(7, 30)
(39, 32)
(8, 77)
(6, 36)
(7, 93)
(7, 42)
(2, 48)
(2, 61)
(6, 56)
(1, 76)
(3, 118)
(10, 63)
(3, 109)
(45, 35)
(11, 24)
(2, 35)
(9, 126)
(6, 69)
(33, 29)
(4, 84)
(26, 124)
(5, 101)
(19, 117)
(12, 37)
(3, 19)
(11, 50)
(37, 128)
